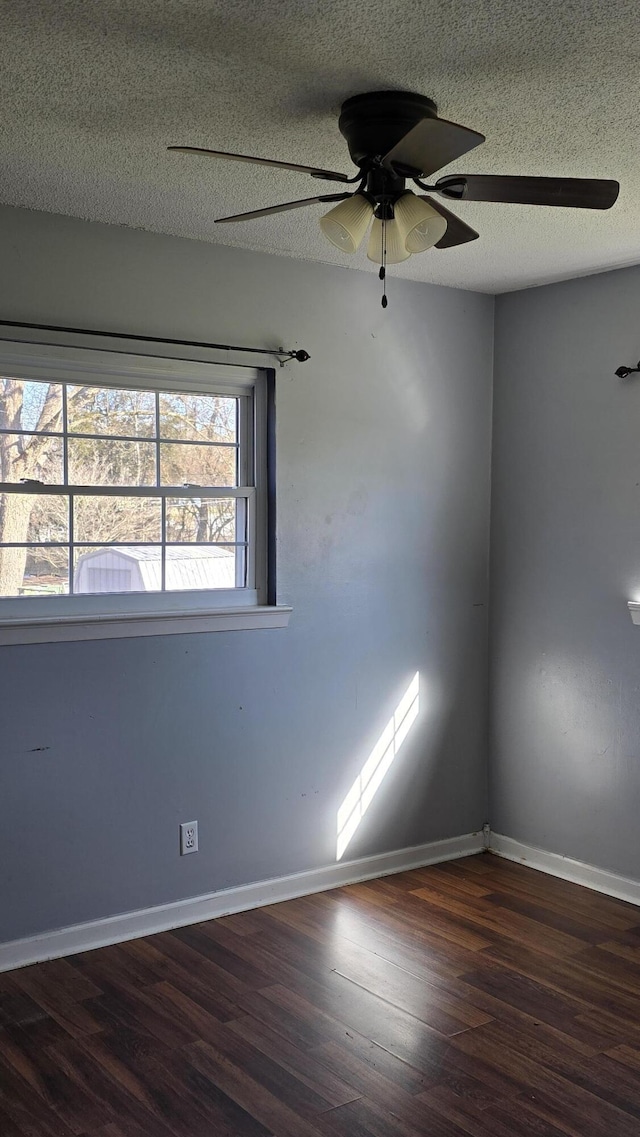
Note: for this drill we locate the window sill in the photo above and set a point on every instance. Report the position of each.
(56, 629)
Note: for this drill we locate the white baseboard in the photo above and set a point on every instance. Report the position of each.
(601, 880)
(147, 921)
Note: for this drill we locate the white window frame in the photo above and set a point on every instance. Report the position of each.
(116, 615)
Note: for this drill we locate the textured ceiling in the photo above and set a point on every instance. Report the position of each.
(93, 92)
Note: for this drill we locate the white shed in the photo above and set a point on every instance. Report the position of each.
(121, 568)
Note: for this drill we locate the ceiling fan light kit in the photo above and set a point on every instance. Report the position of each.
(411, 226)
(395, 137)
(420, 223)
(346, 224)
(386, 243)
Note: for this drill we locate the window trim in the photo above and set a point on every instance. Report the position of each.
(47, 619)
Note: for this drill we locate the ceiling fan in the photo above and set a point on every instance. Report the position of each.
(395, 137)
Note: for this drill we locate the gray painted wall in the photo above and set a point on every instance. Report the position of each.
(383, 484)
(565, 674)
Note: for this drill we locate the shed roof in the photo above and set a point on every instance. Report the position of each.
(187, 567)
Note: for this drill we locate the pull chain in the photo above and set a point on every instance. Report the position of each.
(383, 270)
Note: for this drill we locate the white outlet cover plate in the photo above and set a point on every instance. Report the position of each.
(188, 837)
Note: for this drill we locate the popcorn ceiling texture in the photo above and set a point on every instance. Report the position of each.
(92, 93)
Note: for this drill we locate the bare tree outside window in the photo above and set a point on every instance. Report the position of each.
(76, 437)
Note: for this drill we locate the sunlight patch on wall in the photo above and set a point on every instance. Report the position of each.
(372, 774)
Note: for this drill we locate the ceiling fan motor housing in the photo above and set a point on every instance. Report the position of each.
(374, 123)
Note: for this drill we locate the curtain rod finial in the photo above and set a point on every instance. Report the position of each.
(623, 372)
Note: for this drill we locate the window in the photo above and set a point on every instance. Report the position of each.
(130, 487)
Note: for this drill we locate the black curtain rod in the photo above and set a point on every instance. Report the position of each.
(280, 353)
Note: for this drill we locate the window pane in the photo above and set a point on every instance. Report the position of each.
(33, 518)
(108, 410)
(200, 566)
(116, 570)
(33, 571)
(203, 519)
(26, 404)
(83, 541)
(201, 418)
(104, 462)
(116, 519)
(30, 456)
(197, 465)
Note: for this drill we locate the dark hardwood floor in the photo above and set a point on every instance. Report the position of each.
(477, 997)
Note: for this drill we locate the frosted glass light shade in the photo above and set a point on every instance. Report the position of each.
(420, 224)
(396, 250)
(346, 224)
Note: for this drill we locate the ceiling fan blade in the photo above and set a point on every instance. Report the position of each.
(282, 208)
(326, 175)
(457, 231)
(430, 145)
(581, 193)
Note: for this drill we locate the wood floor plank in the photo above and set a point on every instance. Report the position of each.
(202, 980)
(501, 990)
(114, 1129)
(518, 879)
(264, 1068)
(122, 965)
(32, 1037)
(43, 1076)
(355, 1008)
(606, 964)
(114, 1088)
(62, 992)
(570, 977)
(252, 1096)
(391, 1082)
(192, 1105)
(465, 884)
(16, 1007)
(372, 1071)
(242, 973)
(445, 922)
(410, 993)
(551, 1015)
(549, 1093)
(32, 1115)
(183, 1012)
(607, 1080)
(503, 922)
(283, 954)
(506, 1119)
(367, 1118)
(291, 1017)
(8, 1127)
(144, 1011)
(551, 917)
(475, 998)
(303, 1064)
(57, 982)
(478, 864)
(381, 977)
(419, 952)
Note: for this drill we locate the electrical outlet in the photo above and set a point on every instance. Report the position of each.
(188, 837)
